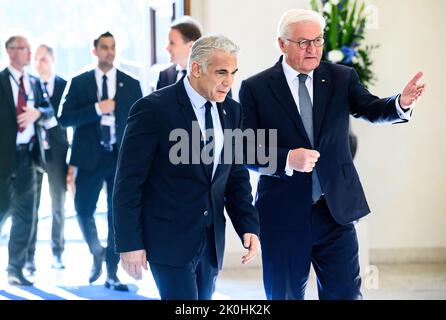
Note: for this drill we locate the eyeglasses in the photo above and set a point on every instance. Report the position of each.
(303, 44)
(20, 48)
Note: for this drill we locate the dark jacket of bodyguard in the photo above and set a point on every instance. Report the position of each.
(169, 212)
(97, 106)
(56, 147)
(309, 205)
(21, 149)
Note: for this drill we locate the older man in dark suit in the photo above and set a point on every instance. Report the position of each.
(308, 206)
(97, 106)
(170, 212)
(22, 111)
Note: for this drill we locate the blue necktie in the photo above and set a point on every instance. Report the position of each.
(105, 130)
(306, 113)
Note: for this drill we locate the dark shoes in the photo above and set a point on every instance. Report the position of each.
(96, 270)
(57, 262)
(114, 283)
(30, 267)
(17, 279)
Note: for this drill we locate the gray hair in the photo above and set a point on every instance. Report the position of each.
(297, 15)
(204, 46)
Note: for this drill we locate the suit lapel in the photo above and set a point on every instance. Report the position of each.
(8, 90)
(57, 94)
(189, 116)
(282, 92)
(92, 88)
(321, 94)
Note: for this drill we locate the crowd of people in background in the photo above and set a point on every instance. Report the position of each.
(95, 104)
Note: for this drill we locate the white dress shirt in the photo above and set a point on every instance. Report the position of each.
(198, 103)
(107, 119)
(26, 135)
(179, 73)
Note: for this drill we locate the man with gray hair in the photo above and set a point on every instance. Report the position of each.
(23, 110)
(172, 214)
(308, 207)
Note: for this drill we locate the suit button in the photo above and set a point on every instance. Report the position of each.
(205, 213)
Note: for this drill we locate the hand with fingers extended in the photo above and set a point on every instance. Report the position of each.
(133, 261)
(252, 243)
(303, 160)
(412, 91)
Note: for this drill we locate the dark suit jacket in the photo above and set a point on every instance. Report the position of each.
(79, 112)
(9, 127)
(283, 202)
(159, 206)
(57, 136)
(167, 77)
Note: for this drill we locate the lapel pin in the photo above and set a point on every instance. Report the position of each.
(224, 111)
(121, 84)
(323, 80)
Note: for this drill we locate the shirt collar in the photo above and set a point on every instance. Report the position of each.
(16, 73)
(111, 74)
(50, 81)
(197, 100)
(290, 73)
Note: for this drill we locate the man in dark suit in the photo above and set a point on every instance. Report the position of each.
(182, 35)
(56, 147)
(170, 212)
(308, 206)
(22, 111)
(97, 106)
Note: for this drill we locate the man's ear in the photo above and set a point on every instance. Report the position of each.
(94, 52)
(281, 43)
(196, 69)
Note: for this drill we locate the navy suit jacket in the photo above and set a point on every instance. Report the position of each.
(167, 77)
(57, 136)
(159, 206)
(9, 127)
(284, 202)
(79, 112)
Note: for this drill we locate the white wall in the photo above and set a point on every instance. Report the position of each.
(401, 167)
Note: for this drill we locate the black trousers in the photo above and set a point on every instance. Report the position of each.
(56, 169)
(17, 195)
(88, 187)
(196, 280)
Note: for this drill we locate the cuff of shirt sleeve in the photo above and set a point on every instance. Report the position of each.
(404, 114)
(288, 170)
(98, 110)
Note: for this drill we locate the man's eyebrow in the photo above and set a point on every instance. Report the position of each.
(226, 70)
